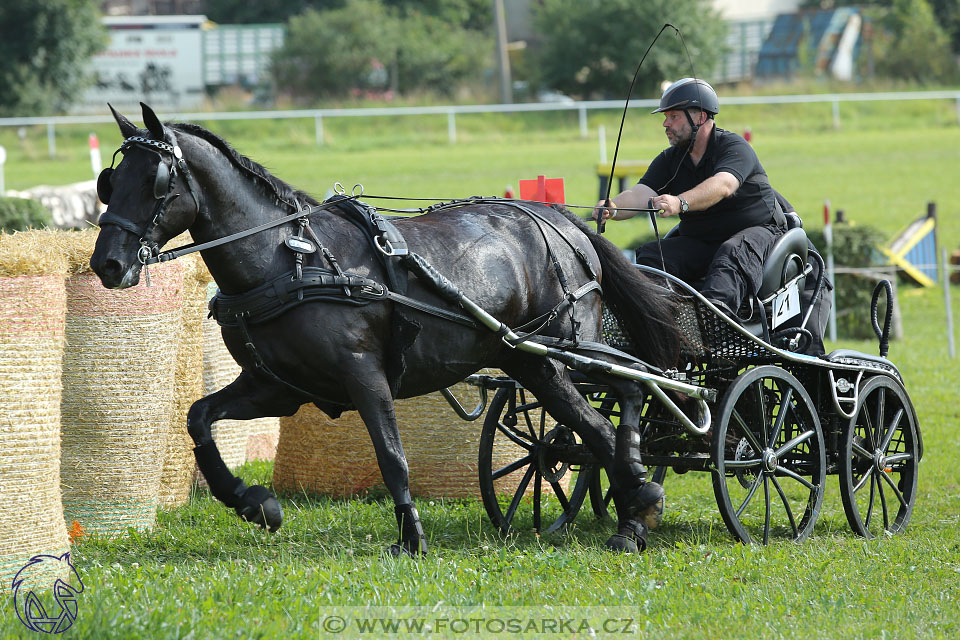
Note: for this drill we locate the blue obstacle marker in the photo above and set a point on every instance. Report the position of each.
(915, 249)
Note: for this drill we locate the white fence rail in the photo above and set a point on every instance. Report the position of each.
(451, 111)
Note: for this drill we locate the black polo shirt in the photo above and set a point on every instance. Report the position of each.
(752, 204)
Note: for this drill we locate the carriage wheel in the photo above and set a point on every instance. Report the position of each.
(768, 449)
(520, 453)
(878, 468)
(600, 494)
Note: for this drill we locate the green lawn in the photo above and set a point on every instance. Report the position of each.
(201, 573)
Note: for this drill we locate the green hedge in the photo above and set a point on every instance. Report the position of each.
(853, 246)
(17, 214)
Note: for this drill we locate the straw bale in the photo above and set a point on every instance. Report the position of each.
(319, 455)
(336, 458)
(178, 461)
(233, 437)
(32, 312)
(118, 393)
(32, 253)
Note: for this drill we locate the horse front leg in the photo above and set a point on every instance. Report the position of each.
(245, 398)
(370, 393)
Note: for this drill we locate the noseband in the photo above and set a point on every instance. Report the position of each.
(171, 165)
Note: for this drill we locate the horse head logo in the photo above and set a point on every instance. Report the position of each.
(34, 577)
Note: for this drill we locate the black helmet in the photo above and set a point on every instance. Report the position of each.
(689, 93)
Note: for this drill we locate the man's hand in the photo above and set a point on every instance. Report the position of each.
(605, 208)
(666, 204)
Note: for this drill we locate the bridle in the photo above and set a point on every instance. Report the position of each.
(171, 165)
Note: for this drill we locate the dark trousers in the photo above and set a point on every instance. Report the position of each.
(729, 271)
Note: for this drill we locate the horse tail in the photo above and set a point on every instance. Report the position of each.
(644, 311)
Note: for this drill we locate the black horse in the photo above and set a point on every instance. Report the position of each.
(516, 262)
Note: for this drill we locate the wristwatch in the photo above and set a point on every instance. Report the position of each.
(684, 205)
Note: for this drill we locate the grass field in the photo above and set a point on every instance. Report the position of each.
(202, 574)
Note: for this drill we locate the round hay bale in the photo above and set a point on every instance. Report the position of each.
(32, 316)
(178, 461)
(118, 370)
(442, 449)
(336, 458)
(319, 455)
(237, 440)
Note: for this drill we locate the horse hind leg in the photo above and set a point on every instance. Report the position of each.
(642, 502)
(245, 398)
(639, 504)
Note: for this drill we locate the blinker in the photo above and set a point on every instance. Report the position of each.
(104, 188)
(162, 182)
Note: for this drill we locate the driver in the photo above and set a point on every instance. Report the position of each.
(712, 179)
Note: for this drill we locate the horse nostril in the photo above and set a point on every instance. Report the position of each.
(111, 267)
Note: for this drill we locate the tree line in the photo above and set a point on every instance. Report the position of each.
(342, 48)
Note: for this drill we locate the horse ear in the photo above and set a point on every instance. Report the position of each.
(127, 128)
(154, 126)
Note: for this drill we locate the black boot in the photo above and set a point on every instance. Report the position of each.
(645, 506)
(412, 541)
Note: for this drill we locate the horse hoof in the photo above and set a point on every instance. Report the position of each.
(652, 516)
(261, 508)
(397, 550)
(622, 544)
(648, 504)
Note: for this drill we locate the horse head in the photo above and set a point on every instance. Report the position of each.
(143, 197)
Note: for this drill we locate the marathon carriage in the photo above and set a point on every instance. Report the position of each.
(768, 422)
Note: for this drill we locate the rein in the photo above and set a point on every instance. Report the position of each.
(173, 254)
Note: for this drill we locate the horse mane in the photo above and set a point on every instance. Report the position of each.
(277, 188)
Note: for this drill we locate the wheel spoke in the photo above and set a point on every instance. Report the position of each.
(513, 466)
(537, 491)
(786, 506)
(878, 421)
(762, 404)
(514, 437)
(753, 490)
(888, 436)
(766, 504)
(883, 503)
(785, 406)
(860, 451)
(742, 464)
(803, 437)
(561, 496)
(526, 414)
(893, 487)
(873, 495)
(747, 432)
(863, 480)
(792, 474)
(900, 457)
(518, 495)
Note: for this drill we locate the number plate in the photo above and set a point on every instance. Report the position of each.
(786, 305)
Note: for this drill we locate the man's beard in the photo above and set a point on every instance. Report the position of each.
(679, 138)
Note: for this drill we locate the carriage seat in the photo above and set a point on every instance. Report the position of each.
(787, 259)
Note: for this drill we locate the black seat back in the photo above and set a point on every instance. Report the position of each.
(786, 260)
